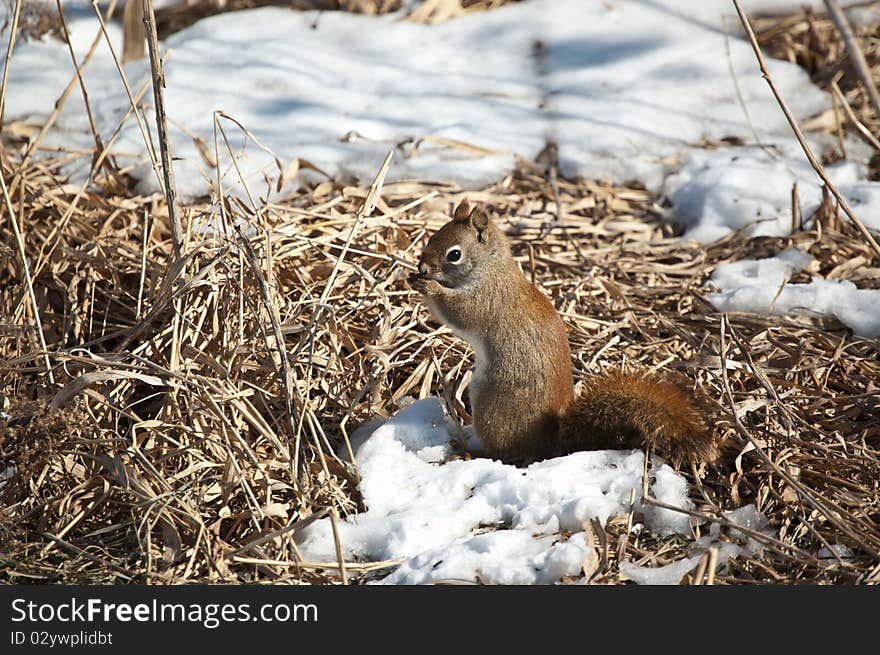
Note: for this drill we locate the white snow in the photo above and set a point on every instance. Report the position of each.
(511, 557)
(434, 512)
(731, 188)
(715, 191)
(670, 488)
(668, 574)
(761, 286)
(628, 89)
(439, 519)
(738, 543)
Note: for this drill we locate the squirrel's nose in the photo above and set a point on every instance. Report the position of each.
(423, 269)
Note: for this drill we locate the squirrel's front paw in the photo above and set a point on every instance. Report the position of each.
(424, 285)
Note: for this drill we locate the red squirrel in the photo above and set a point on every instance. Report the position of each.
(522, 396)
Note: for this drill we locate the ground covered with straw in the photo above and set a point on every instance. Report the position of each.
(170, 420)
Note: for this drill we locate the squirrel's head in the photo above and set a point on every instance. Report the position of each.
(459, 251)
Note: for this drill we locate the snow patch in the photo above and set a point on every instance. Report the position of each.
(627, 90)
(760, 286)
(741, 543)
(716, 191)
(503, 557)
(479, 519)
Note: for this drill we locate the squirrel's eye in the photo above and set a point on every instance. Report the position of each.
(453, 255)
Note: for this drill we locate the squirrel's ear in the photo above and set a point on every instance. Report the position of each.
(479, 220)
(462, 212)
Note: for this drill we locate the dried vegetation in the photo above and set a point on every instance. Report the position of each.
(151, 432)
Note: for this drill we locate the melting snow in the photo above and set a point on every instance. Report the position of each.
(630, 90)
(479, 519)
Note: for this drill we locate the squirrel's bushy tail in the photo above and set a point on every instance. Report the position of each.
(634, 410)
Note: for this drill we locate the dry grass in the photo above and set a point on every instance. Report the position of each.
(165, 450)
(154, 473)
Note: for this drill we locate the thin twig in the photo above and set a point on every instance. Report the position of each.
(140, 296)
(713, 564)
(293, 525)
(145, 133)
(838, 124)
(58, 227)
(13, 33)
(334, 517)
(99, 147)
(285, 372)
(162, 127)
(739, 94)
(850, 114)
(796, 223)
(365, 210)
(700, 572)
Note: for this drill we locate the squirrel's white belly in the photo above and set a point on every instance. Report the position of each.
(481, 353)
(474, 339)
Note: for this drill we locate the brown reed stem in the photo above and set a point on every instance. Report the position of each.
(856, 56)
(162, 128)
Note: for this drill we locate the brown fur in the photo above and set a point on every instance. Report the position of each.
(521, 393)
(626, 410)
